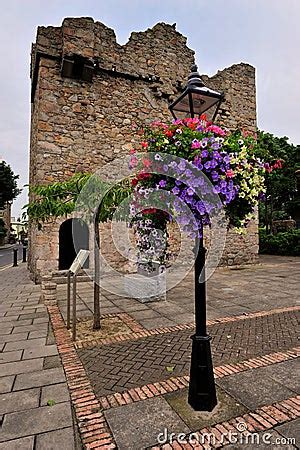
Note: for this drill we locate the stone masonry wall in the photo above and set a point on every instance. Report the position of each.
(80, 126)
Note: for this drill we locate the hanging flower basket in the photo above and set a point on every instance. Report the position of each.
(192, 160)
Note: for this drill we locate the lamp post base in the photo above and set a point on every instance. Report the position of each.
(202, 390)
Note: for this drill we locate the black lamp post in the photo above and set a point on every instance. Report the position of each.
(194, 101)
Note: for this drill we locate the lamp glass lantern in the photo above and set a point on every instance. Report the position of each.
(196, 98)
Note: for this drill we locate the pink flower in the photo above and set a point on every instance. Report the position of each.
(134, 161)
(217, 130)
(230, 173)
(196, 144)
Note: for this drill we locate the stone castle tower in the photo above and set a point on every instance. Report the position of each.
(89, 93)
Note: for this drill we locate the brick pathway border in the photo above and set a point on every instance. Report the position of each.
(142, 332)
(93, 427)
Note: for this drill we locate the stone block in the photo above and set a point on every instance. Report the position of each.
(6, 383)
(39, 378)
(57, 392)
(48, 350)
(35, 421)
(56, 440)
(13, 368)
(25, 443)
(28, 343)
(19, 401)
(138, 425)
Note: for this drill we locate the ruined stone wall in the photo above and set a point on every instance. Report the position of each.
(80, 126)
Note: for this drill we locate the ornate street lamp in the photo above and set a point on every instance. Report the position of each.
(194, 101)
(196, 98)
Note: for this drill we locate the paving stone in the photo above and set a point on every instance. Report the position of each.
(52, 361)
(13, 313)
(145, 314)
(39, 378)
(13, 323)
(6, 383)
(33, 315)
(253, 390)
(290, 430)
(4, 320)
(25, 443)
(57, 392)
(13, 337)
(25, 328)
(5, 330)
(21, 367)
(31, 344)
(18, 401)
(35, 421)
(41, 320)
(56, 440)
(10, 356)
(286, 373)
(48, 350)
(158, 322)
(137, 425)
(38, 334)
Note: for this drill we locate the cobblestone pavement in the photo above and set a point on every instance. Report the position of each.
(31, 374)
(118, 367)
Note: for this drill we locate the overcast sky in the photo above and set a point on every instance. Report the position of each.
(264, 33)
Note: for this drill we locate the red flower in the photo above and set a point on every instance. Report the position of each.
(143, 176)
(149, 211)
(132, 151)
(230, 173)
(277, 164)
(144, 144)
(168, 133)
(134, 181)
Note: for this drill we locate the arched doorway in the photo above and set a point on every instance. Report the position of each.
(73, 236)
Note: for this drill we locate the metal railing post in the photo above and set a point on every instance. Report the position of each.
(69, 300)
(74, 308)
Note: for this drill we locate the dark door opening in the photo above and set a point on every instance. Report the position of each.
(73, 236)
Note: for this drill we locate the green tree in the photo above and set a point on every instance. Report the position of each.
(3, 231)
(61, 198)
(8, 184)
(282, 198)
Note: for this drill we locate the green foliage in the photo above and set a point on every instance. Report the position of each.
(8, 184)
(282, 198)
(82, 192)
(3, 230)
(285, 243)
(51, 402)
